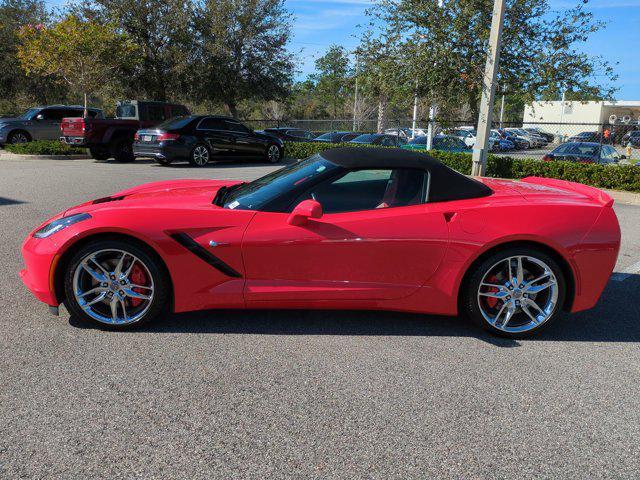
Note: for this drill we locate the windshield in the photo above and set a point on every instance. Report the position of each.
(126, 111)
(325, 136)
(29, 114)
(254, 195)
(366, 138)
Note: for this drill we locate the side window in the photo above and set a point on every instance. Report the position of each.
(179, 111)
(370, 189)
(236, 127)
(155, 113)
(54, 114)
(211, 123)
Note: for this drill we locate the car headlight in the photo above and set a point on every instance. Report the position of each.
(59, 224)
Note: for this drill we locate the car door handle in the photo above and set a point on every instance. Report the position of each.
(213, 244)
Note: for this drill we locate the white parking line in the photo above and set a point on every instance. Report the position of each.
(626, 273)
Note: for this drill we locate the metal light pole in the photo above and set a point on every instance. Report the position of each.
(504, 87)
(432, 109)
(480, 149)
(415, 112)
(355, 98)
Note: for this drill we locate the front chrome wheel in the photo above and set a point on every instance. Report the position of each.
(518, 294)
(113, 287)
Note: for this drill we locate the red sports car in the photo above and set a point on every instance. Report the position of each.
(350, 228)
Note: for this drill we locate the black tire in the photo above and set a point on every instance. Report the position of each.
(470, 300)
(200, 155)
(99, 153)
(270, 153)
(18, 136)
(122, 150)
(155, 268)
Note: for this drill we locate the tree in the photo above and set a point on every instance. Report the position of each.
(84, 54)
(14, 84)
(162, 29)
(332, 78)
(447, 48)
(383, 69)
(242, 51)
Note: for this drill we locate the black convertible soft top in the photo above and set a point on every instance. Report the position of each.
(445, 184)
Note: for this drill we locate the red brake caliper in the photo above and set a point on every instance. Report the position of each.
(137, 277)
(492, 302)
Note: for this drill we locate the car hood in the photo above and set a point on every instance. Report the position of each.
(171, 193)
(11, 121)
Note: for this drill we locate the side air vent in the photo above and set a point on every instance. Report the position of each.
(199, 251)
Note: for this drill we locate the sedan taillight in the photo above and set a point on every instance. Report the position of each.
(167, 136)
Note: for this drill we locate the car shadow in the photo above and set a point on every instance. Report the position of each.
(614, 319)
(9, 201)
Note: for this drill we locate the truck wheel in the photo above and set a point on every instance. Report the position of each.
(99, 153)
(122, 150)
(19, 136)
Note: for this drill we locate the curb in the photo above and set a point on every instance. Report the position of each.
(16, 156)
(622, 197)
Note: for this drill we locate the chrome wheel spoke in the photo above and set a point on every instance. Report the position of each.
(114, 310)
(540, 288)
(118, 270)
(130, 293)
(100, 276)
(92, 291)
(99, 298)
(519, 271)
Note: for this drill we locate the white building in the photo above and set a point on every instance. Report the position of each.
(590, 114)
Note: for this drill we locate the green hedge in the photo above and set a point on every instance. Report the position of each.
(615, 177)
(43, 147)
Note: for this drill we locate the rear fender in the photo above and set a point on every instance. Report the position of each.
(593, 193)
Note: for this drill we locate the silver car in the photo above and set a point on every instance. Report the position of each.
(40, 123)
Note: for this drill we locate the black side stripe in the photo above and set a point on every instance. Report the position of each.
(199, 251)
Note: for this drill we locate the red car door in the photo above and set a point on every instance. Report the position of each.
(383, 253)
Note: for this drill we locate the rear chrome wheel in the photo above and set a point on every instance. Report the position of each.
(114, 284)
(199, 156)
(273, 154)
(516, 292)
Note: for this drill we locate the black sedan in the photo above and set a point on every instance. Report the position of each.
(289, 134)
(383, 139)
(584, 152)
(337, 137)
(200, 139)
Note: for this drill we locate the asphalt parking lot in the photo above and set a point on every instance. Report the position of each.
(303, 394)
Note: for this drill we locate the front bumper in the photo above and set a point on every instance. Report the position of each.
(40, 257)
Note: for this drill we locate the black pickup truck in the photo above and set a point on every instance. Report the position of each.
(113, 137)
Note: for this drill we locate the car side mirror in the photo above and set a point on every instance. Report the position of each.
(304, 211)
(40, 117)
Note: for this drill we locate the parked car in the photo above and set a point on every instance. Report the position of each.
(585, 152)
(406, 132)
(40, 123)
(290, 134)
(549, 137)
(586, 137)
(499, 144)
(345, 228)
(200, 139)
(520, 142)
(337, 137)
(379, 139)
(443, 143)
(535, 141)
(467, 135)
(113, 137)
(632, 137)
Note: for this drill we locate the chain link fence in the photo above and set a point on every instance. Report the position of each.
(514, 139)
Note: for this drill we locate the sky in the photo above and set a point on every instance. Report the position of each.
(320, 23)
